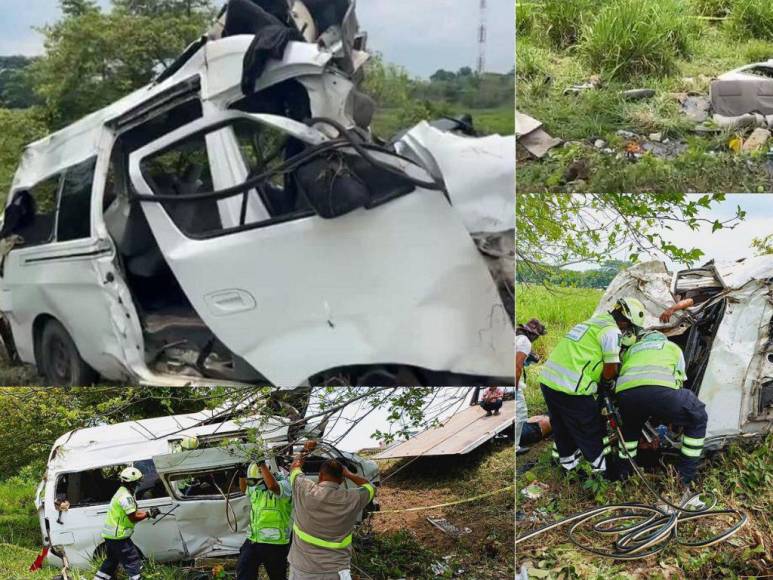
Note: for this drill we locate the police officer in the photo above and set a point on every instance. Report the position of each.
(649, 385)
(122, 515)
(268, 542)
(584, 361)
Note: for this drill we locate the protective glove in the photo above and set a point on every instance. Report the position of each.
(606, 387)
(153, 513)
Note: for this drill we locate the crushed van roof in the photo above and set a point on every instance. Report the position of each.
(218, 64)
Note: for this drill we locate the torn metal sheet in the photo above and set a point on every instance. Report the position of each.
(461, 433)
(448, 528)
(728, 330)
(479, 173)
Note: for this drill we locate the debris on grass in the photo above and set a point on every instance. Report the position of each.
(531, 137)
(447, 527)
(535, 490)
(756, 140)
(638, 94)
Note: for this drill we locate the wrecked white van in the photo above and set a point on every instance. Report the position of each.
(726, 337)
(224, 227)
(203, 512)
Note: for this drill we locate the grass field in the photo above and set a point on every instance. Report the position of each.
(741, 477)
(393, 546)
(501, 120)
(547, 65)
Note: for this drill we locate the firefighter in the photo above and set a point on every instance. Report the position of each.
(649, 385)
(584, 362)
(122, 515)
(268, 542)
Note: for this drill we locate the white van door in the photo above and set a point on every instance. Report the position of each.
(79, 528)
(296, 294)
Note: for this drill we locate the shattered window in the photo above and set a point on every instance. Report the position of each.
(74, 221)
(42, 197)
(231, 154)
(91, 487)
(211, 484)
(151, 487)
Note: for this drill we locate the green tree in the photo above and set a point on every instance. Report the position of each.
(763, 245)
(388, 84)
(567, 229)
(93, 58)
(17, 128)
(77, 7)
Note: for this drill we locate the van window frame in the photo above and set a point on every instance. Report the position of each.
(170, 478)
(60, 474)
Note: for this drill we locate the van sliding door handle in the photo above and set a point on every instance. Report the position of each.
(231, 301)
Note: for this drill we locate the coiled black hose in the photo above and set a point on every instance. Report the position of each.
(653, 529)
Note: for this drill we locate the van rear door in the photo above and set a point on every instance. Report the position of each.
(295, 294)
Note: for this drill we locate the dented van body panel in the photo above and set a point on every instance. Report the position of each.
(387, 286)
(726, 336)
(200, 521)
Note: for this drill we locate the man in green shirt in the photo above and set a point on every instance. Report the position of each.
(122, 515)
(268, 542)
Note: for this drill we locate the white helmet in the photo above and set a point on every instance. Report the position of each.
(130, 475)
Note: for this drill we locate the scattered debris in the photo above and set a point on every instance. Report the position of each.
(748, 89)
(447, 527)
(665, 150)
(530, 135)
(534, 490)
(656, 137)
(626, 134)
(593, 83)
(696, 107)
(756, 140)
(743, 121)
(439, 568)
(599, 143)
(638, 94)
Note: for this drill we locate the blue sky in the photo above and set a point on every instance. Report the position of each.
(421, 35)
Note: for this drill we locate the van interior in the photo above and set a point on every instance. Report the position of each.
(176, 339)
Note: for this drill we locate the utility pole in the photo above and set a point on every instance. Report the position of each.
(482, 37)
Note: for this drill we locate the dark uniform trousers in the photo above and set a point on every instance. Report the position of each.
(578, 427)
(123, 553)
(272, 556)
(669, 406)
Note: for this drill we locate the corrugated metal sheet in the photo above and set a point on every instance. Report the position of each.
(460, 434)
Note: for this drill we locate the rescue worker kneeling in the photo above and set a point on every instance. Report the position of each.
(121, 517)
(649, 385)
(583, 362)
(270, 520)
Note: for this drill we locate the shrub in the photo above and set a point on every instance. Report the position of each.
(530, 61)
(563, 20)
(716, 8)
(758, 50)
(632, 38)
(751, 18)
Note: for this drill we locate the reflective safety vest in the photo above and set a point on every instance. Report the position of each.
(118, 526)
(270, 516)
(654, 361)
(315, 541)
(574, 367)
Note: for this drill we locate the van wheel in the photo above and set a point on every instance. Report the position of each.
(61, 364)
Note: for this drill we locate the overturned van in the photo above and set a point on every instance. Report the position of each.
(233, 224)
(203, 511)
(726, 336)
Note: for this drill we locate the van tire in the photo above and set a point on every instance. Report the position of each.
(60, 362)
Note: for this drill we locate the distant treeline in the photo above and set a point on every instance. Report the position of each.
(544, 274)
(16, 90)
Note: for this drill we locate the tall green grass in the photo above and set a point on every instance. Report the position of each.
(630, 38)
(564, 20)
(751, 18)
(559, 309)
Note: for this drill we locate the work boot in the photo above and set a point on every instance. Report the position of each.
(496, 412)
(488, 413)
